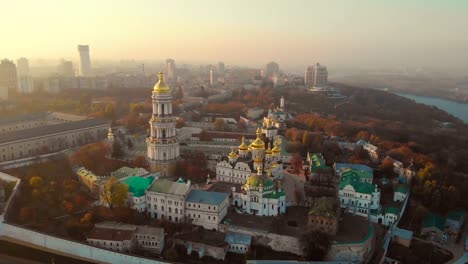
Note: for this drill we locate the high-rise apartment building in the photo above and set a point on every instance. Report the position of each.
(171, 69)
(316, 76)
(85, 61)
(65, 69)
(25, 82)
(8, 77)
(221, 68)
(321, 76)
(272, 69)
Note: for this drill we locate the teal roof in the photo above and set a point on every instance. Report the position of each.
(403, 233)
(402, 189)
(213, 198)
(457, 214)
(359, 167)
(274, 195)
(317, 162)
(237, 238)
(138, 185)
(392, 210)
(433, 220)
(352, 178)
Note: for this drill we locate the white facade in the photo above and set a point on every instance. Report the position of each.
(357, 202)
(260, 197)
(166, 206)
(239, 173)
(399, 196)
(204, 213)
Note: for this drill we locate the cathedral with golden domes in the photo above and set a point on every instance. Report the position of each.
(238, 166)
(162, 144)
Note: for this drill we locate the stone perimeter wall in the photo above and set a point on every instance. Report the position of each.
(58, 245)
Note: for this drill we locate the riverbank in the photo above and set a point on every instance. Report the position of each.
(459, 110)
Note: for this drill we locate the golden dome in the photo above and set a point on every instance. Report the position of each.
(243, 146)
(232, 155)
(268, 151)
(276, 149)
(257, 144)
(259, 131)
(161, 86)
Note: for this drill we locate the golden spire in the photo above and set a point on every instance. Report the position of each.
(232, 155)
(243, 146)
(161, 86)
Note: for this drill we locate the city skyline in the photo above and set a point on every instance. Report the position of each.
(364, 33)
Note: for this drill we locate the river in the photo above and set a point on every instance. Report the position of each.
(458, 110)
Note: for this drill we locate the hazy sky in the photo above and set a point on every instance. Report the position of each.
(243, 32)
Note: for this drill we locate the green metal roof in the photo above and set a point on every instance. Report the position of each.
(138, 185)
(392, 210)
(402, 189)
(275, 195)
(457, 214)
(433, 220)
(352, 178)
(317, 162)
(255, 181)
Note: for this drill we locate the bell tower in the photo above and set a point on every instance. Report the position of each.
(163, 147)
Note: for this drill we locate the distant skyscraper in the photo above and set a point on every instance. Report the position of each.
(309, 76)
(85, 61)
(171, 69)
(8, 77)
(272, 69)
(321, 76)
(221, 68)
(211, 77)
(22, 67)
(65, 69)
(316, 76)
(25, 82)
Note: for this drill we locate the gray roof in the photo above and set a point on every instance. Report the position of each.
(23, 118)
(51, 129)
(169, 187)
(213, 198)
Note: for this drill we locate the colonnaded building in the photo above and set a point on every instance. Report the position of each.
(41, 133)
(163, 147)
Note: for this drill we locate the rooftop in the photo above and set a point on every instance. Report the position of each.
(238, 238)
(205, 197)
(325, 206)
(402, 189)
(359, 167)
(317, 162)
(392, 210)
(110, 234)
(50, 129)
(128, 171)
(353, 179)
(403, 233)
(433, 220)
(138, 185)
(457, 214)
(169, 187)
